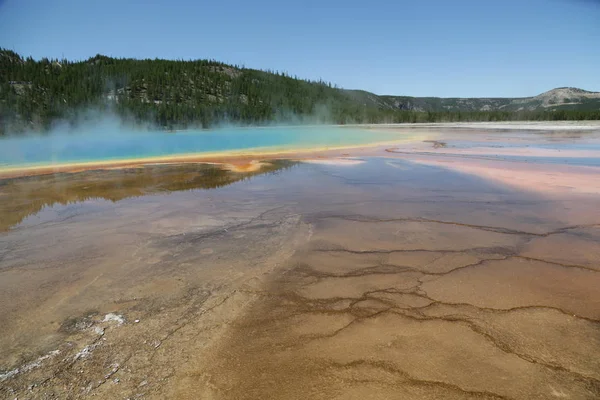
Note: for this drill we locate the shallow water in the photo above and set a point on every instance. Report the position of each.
(580, 161)
(38, 196)
(383, 279)
(549, 143)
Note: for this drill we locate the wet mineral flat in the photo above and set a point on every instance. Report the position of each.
(415, 273)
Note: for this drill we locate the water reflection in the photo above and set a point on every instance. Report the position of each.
(22, 197)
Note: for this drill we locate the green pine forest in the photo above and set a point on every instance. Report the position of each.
(175, 94)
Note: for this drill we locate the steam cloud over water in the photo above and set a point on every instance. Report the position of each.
(105, 137)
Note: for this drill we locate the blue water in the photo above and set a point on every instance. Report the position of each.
(112, 144)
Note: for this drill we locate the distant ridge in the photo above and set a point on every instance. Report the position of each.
(35, 95)
(564, 98)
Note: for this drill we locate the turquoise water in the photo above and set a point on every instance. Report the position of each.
(115, 144)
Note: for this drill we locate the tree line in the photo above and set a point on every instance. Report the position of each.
(174, 94)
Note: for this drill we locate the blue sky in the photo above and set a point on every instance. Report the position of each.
(420, 48)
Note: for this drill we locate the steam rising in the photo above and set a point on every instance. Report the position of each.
(105, 136)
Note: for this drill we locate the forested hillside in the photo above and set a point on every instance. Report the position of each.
(35, 94)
